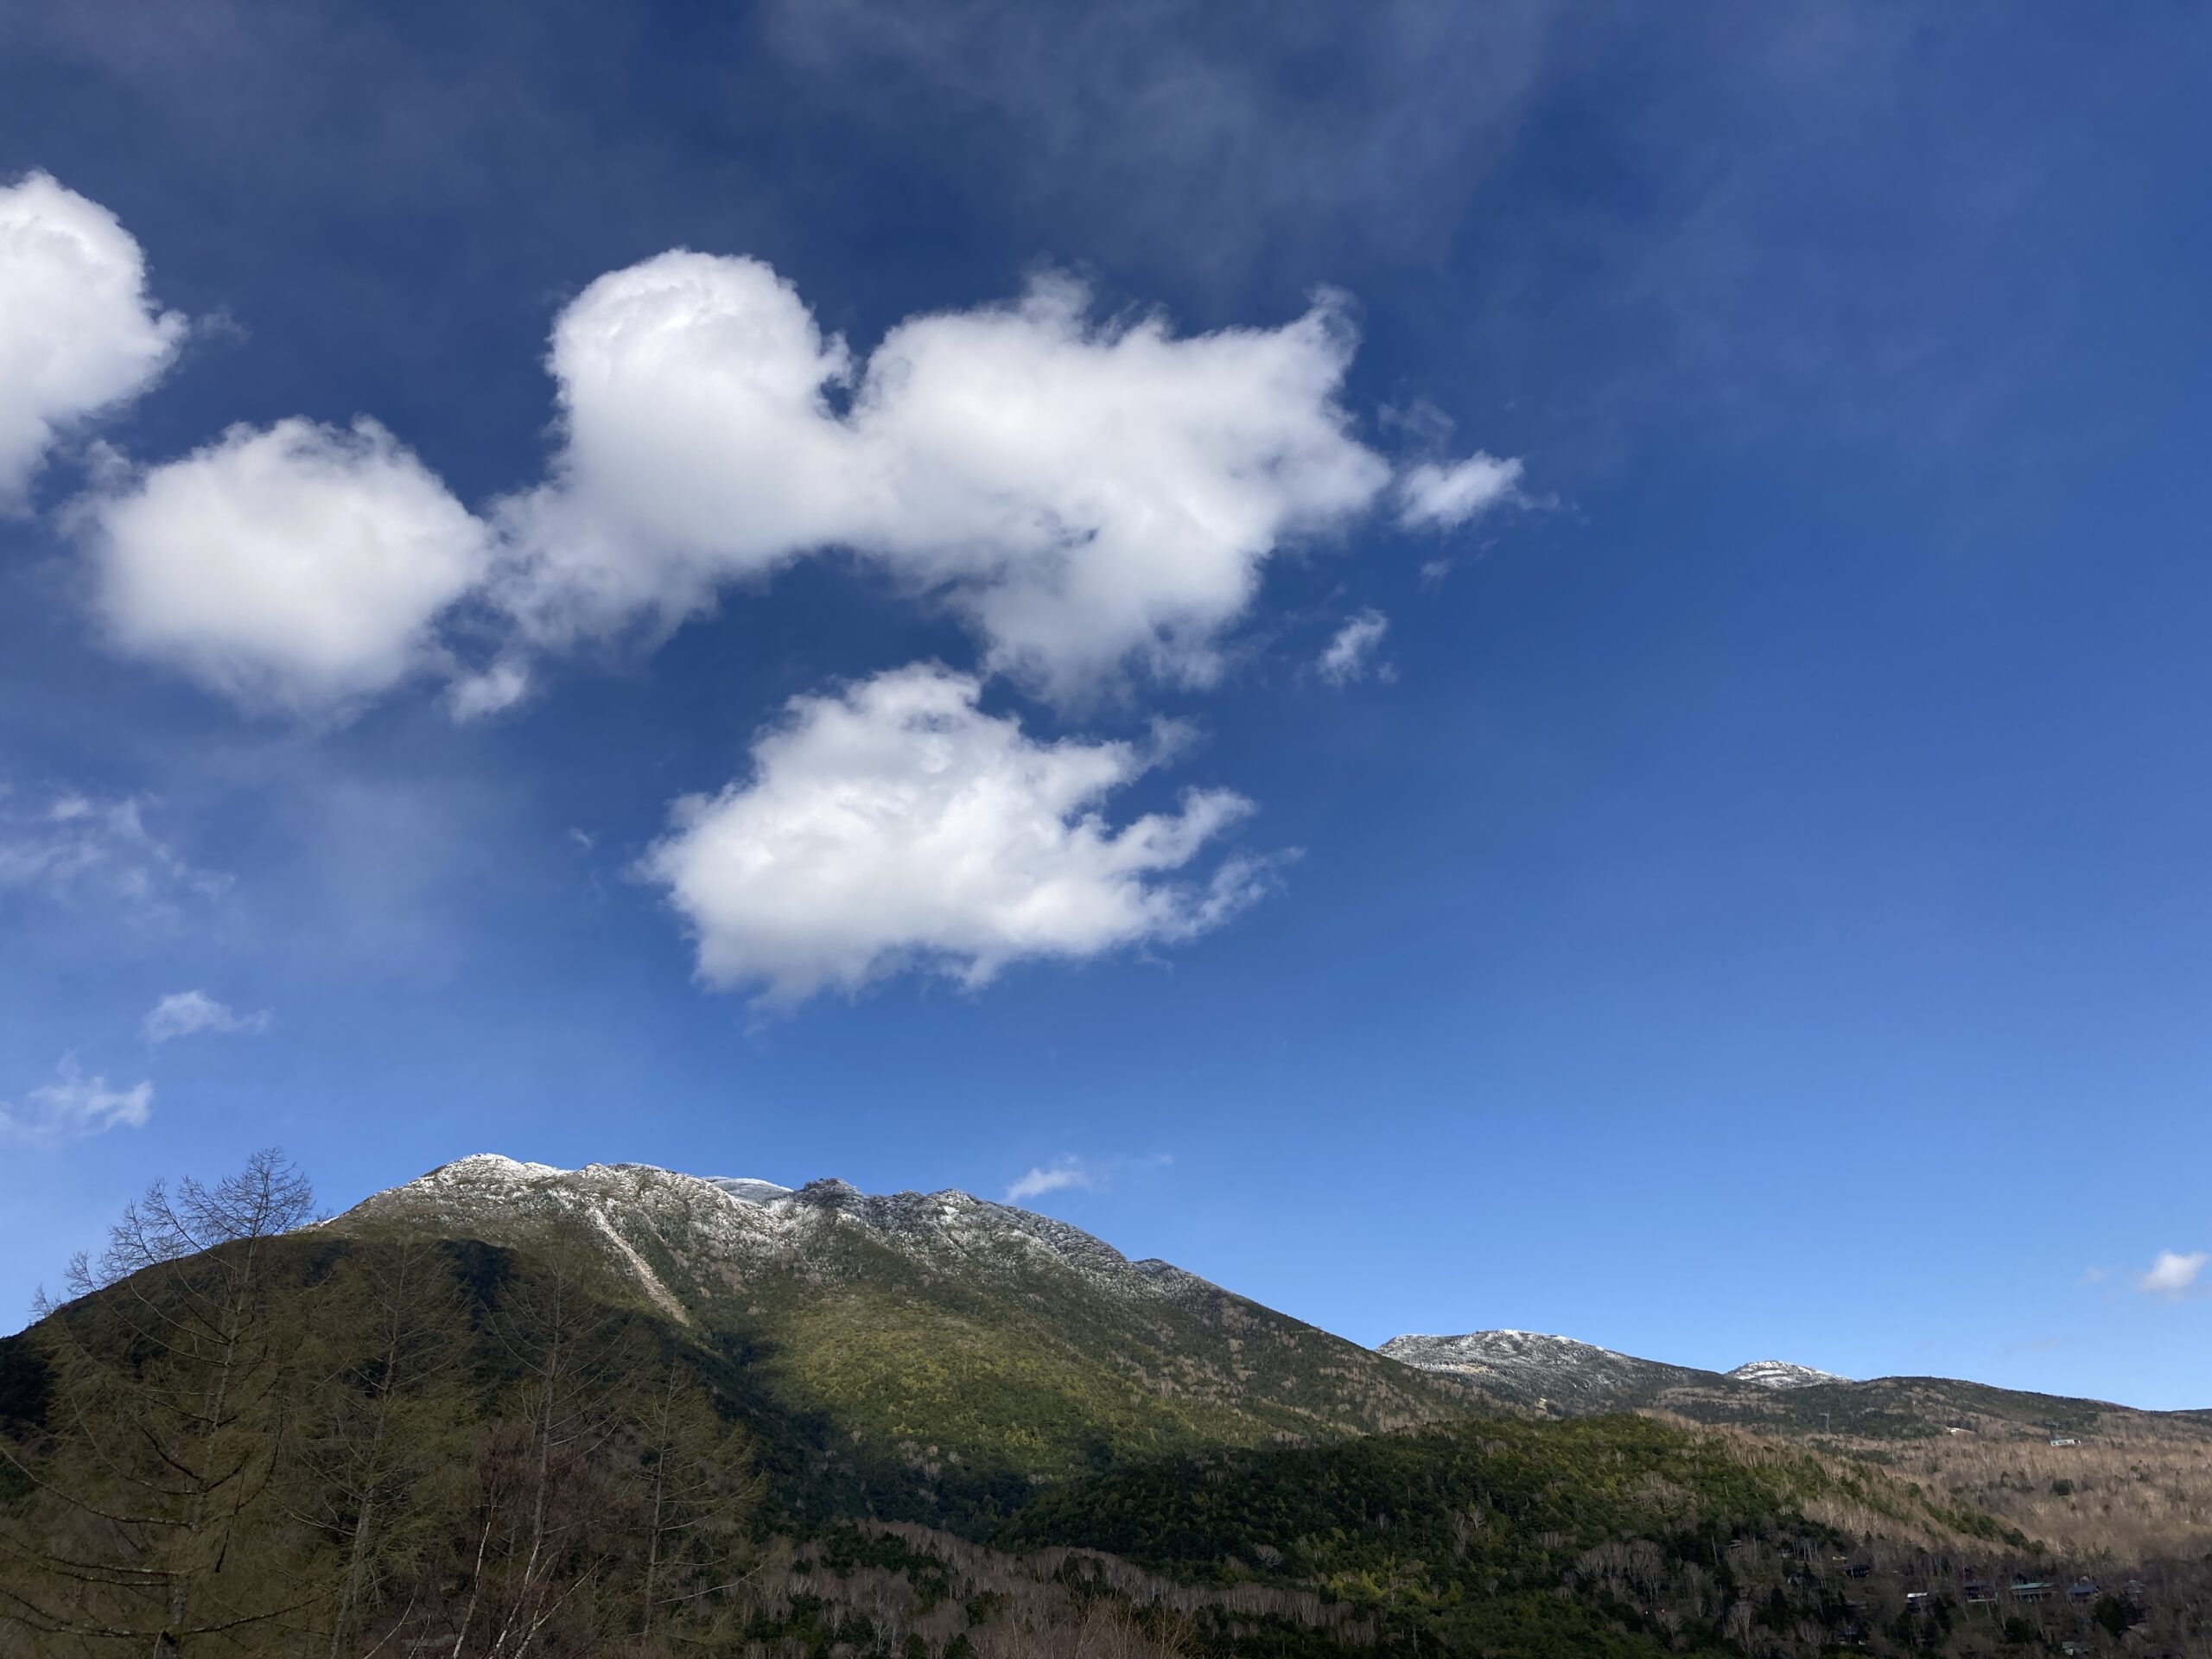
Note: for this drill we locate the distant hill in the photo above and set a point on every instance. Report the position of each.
(1781, 1374)
(1562, 1377)
(2087, 1475)
(1554, 1375)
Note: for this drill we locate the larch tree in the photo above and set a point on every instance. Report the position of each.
(171, 1385)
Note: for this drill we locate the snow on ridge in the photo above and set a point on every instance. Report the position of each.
(481, 1167)
(492, 1167)
(1782, 1374)
(488, 1165)
(750, 1188)
(743, 1218)
(1560, 1361)
(1504, 1342)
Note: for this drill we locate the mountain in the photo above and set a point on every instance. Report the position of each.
(1555, 1374)
(931, 1352)
(941, 1357)
(1781, 1374)
(507, 1408)
(1564, 1377)
(2084, 1475)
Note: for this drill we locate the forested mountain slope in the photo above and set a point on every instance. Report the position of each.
(940, 1346)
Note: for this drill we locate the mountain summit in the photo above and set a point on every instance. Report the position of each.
(1551, 1374)
(690, 1241)
(1781, 1374)
(1566, 1377)
(924, 1349)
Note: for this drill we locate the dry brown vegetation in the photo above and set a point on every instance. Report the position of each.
(2136, 1485)
(1896, 1515)
(947, 1593)
(2139, 1487)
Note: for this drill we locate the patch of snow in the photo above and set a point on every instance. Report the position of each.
(487, 1166)
(747, 1188)
(640, 1269)
(718, 1231)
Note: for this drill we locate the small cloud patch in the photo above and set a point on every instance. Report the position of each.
(1432, 496)
(1056, 1177)
(186, 1014)
(74, 1106)
(1350, 656)
(1063, 1174)
(2174, 1274)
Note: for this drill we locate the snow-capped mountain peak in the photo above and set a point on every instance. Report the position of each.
(682, 1237)
(1781, 1374)
(1534, 1368)
(1556, 1373)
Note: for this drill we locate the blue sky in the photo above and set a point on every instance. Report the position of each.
(1739, 889)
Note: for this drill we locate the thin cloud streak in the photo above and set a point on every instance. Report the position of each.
(185, 1014)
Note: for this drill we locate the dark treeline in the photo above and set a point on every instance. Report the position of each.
(237, 1437)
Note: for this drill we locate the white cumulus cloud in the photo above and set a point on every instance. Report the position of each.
(1086, 492)
(1094, 495)
(78, 332)
(1350, 655)
(75, 1105)
(1433, 496)
(186, 1014)
(897, 825)
(300, 568)
(2173, 1274)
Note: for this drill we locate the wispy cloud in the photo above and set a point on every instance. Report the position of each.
(76, 847)
(1057, 1178)
(1062, 1173)
(1435, 497)
(2174, 1274)
(1350, 655)
(75, 1105)
(185, 1014)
